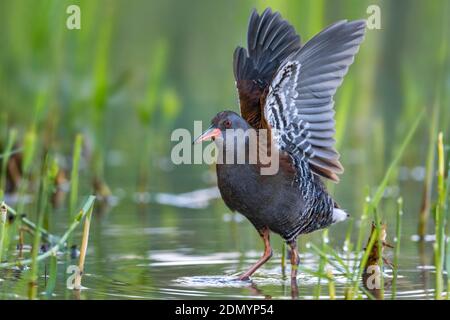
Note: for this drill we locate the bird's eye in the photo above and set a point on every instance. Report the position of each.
(227, 124)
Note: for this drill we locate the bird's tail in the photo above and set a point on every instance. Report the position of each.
(339, 215)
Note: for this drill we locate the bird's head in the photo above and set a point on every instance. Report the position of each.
(223, 125)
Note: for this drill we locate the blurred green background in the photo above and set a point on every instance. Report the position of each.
(137, 70)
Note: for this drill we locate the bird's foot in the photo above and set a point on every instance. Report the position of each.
(388, 262)
(387, 244)
(244, 277)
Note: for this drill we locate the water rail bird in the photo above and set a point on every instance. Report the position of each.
(287, 89)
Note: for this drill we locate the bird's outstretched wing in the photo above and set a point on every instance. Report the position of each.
(299, 105)
(270, 41)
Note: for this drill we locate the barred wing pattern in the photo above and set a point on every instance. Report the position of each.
(299, 105)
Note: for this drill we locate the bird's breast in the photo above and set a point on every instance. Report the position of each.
(267, 200)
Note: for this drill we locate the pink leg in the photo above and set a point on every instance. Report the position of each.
(294, 266)
(294, 259)
(265, 234)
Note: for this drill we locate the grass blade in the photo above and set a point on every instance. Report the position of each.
(380, 190)
(83, 249)
(398, 232)
(53, 271)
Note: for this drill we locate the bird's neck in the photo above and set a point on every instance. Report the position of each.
(234, 151)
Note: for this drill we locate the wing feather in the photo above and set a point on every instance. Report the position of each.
(299, 104)
(270, 40)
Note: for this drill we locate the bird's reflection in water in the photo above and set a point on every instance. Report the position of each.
(76, 294)
(258, 291)
(294, 289)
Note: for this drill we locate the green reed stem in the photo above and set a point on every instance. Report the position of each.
(380, 190)
(372, 203)
(359, 243)
(322, 262)
(348, 245)
(380, 246)
(41, 207)
(439, 244)
(283, 258)
(447, 204)
(62, 240)
(363, 262)
(75, 172)
(314, 272)
(83, 248)
(447, 262)
(6, 154)
(46, 236)
(331, 287)
(335, 255)
(52, 274)
(338, 264)
(398, 233)
(3, 221)
(363, 220)
(29, 149)
(429, 171)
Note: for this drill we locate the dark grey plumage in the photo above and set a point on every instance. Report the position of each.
(270, 40)
(287, 205)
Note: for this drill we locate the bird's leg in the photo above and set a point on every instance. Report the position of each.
(265, 235)
(294, 266)
(294, 259)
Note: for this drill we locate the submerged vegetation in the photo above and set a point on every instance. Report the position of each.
(86, 116)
